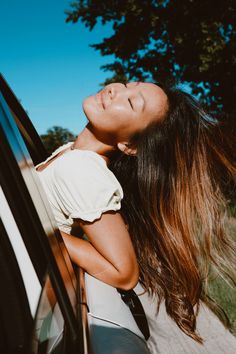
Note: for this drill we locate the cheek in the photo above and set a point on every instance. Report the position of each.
(88, 106)
(118, 115)
(116, 121)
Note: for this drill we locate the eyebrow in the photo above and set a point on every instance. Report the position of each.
(144, 102)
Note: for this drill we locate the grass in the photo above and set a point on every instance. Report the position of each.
(221, 292)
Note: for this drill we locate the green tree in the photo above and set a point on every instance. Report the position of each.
(55, 137)
(185, 40)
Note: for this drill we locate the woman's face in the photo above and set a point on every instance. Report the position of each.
(120, 110)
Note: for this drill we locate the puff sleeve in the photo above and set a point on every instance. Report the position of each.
(85, 186)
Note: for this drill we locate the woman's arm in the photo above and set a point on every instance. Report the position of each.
(109, 256)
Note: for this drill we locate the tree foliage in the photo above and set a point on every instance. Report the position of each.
(187, 40)
(55, 137)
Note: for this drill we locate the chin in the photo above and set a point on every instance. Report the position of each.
(87, 106)
(87, 101)
(90, 109)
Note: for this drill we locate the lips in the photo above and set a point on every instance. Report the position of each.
(100, 99)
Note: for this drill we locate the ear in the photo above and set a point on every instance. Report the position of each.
(127, 149)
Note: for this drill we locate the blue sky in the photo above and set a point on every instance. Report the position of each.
(48, 63)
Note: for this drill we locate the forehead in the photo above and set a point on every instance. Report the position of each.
(155, 98)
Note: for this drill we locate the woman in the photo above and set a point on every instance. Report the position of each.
(166, 154)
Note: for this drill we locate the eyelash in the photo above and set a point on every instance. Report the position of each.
(129, 98)
(130, 103)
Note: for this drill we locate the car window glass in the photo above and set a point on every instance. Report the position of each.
(49, 323)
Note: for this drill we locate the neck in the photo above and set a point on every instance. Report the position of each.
(86, 140)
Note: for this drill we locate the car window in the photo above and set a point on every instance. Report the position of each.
(58, 320)
(23, 189)
(49, 324)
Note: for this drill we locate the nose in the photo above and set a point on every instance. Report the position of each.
(111, 91)
(116, 89)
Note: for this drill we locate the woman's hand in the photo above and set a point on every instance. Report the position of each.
(109, 256)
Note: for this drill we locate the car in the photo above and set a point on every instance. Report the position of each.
(45, 300)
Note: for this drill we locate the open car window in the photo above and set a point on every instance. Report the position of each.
(58, 315)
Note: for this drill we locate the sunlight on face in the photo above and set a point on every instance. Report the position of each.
(120, 110)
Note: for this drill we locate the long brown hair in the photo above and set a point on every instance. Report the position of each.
(175, 206)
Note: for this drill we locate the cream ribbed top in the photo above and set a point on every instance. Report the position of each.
(79, 185)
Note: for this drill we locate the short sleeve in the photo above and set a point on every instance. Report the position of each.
(86, 187)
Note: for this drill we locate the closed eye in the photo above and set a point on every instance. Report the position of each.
(130, 103)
